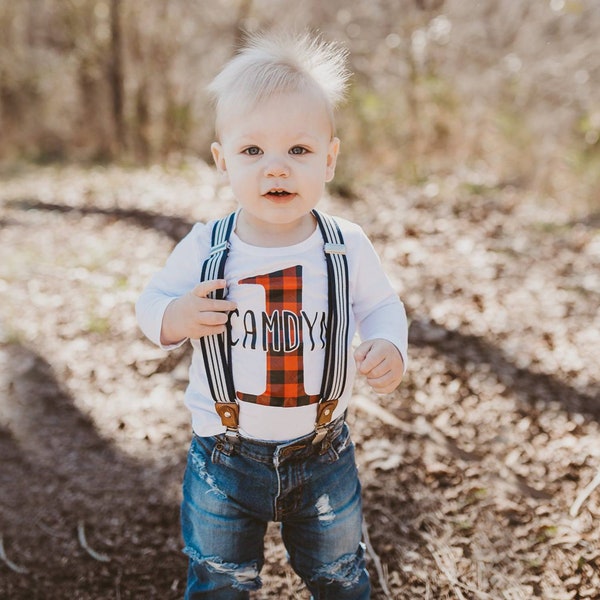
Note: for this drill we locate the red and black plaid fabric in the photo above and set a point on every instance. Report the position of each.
(285, 361)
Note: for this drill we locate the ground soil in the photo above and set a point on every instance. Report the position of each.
(479, 473)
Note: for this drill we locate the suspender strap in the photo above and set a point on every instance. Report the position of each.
(216, 349)
(336, 347)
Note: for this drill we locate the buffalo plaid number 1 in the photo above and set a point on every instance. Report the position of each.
(283, 331)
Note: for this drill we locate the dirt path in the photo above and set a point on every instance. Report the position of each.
(474, 472)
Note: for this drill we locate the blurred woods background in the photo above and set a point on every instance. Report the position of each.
(471, 152)
(495, 92)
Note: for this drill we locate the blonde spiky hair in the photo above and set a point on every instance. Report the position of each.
(270, 63)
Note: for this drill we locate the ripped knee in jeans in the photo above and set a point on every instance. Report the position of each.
(216, 573)
(346, 572)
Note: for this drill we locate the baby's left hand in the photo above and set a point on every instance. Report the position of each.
(381, 362)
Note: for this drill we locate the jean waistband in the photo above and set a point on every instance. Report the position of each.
(264, 451)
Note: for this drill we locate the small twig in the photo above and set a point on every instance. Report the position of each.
(585, 493)
(366, 405)
(118, 583)
(46, 529)
(419, 426)
(11, 565)
(452, 579)
(455, 583)
(376, 560)
(95, 555)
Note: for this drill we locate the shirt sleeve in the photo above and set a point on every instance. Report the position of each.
(378, 310)
(180, 274)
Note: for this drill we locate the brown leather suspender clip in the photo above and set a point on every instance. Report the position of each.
(229, 413)
(325, 411)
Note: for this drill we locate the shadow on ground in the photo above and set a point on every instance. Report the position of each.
(60, 479)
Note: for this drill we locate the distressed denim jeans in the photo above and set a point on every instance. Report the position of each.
(231, 490)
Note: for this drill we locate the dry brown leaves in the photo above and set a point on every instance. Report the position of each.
(478, 474)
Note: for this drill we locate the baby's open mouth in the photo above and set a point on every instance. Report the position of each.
(278, 193)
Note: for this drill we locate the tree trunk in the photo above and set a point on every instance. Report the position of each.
(116, 81)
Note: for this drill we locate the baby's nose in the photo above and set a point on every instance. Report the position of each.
(276, 168)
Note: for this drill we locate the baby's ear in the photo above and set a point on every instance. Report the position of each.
(332, 154)
(218, 157)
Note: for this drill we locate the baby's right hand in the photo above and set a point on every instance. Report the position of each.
(194, 315)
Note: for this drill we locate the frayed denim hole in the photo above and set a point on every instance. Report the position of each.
(346, 571)
(198, 464)
(325, 512)
(243, 576)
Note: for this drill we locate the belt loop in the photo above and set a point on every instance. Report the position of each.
(227, 444)
(326, 442)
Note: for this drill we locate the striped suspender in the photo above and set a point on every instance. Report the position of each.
(336, 348)
(216, 349)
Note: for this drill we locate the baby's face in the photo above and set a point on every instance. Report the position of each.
(277, 157)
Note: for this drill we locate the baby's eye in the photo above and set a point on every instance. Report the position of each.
(252, 151)
(298, 150)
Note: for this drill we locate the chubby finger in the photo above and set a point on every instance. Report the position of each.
(212, 317)
(367, 358)
(202, 330)
(384, 384)
(207, 305)
(360, 354)
(378, 370)
(202, 290)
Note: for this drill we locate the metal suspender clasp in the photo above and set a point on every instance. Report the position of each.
(220, 247)
(325, 410)
(334, 248)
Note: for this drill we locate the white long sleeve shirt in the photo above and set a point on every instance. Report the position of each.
(278, 329)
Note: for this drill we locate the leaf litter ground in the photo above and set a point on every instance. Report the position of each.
(480, 474)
